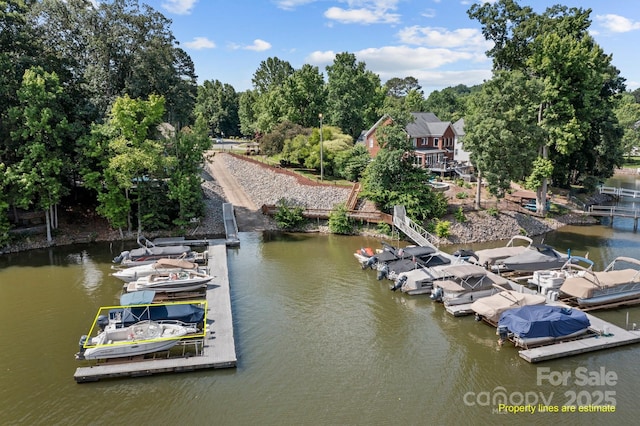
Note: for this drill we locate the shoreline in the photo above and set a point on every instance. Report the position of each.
(265, 185)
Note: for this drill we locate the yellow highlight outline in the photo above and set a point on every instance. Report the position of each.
(145, 305)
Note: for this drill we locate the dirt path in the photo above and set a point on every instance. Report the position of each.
(248, 216)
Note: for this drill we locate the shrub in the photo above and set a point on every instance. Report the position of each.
(493, 211)
(339, 222)
(289, 217)
(384, 228)
(459, 214)
(462, 195)
(443, 228)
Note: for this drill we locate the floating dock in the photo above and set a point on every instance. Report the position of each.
(606, 336)
(230, 225)
(216, 349)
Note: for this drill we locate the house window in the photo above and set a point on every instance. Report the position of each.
(435, 142)
(371, 143)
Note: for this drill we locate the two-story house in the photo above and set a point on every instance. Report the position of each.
(433, 140)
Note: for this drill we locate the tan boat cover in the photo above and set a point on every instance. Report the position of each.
(174, 263)
(493, 306)
(583, 287)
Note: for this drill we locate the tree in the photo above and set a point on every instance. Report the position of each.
(271, 74)
(41, 128)
(449, 103)
(401, 87)
(392, 179)
(577, 87)
(217, 106)
(304, 96)
(628, 114)
(355, 95)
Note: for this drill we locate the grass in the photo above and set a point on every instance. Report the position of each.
(631, 162)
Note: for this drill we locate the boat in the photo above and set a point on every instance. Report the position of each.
(389, 253)
(538, 325)
(161, 266)
(138, 306)
(491, 258)
(490, 308)
(427, 257)
(148, 252)
(141, 338)
(535, 258)
(465, 283)
(548, 280)
(171, 282)
(618, 282)
(416, 281)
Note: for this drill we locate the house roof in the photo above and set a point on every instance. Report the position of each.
(458, 127)
(426, 124)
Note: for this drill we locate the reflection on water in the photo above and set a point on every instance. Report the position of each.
(91, 275)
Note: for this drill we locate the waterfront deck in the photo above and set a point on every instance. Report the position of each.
(216, 349)
(606, 335)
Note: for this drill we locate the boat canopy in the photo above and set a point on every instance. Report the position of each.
(543, 321)
(188, 313)
(491, 307)
(137, 298)
(167, 263)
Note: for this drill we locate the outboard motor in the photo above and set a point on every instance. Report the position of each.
(83, 340)
(503, 333)
(436, 294)
(370, 262)
(122, 256)
(399, 282)
(465, 254)
(102, 322)
(383, 272)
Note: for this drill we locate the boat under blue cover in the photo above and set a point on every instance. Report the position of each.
(544, 321)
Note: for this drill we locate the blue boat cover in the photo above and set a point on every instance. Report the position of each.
(177, 312)
(137, 297)
(543, 321)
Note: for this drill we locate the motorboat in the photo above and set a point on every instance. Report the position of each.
(171, 282)
(465, 283)
(549, 280)
(139, 305)
(538, 325)
(535, 258)
(618, 282)
(389, 254)
(490, 308)
(426, 258)
(148, 252)
(161, 266)
(137, 339)
(491, 258)
(416, 281)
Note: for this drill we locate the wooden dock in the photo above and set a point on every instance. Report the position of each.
(606, 335)
(216, 349)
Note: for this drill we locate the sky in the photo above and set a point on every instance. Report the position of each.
(434, 41)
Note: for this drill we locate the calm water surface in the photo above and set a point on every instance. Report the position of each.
(318, 340)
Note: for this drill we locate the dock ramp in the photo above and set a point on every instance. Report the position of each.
(230, 225)
(412, 230)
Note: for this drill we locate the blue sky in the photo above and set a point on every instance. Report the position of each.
(431, 40)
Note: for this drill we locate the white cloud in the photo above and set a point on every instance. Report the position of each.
(617, 23)
(179, 7)
(429, 13)
(258, 46)
(463, 38)
(291, 4)
(199, 43)
(361, 16)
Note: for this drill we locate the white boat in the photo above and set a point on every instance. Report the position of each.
(465, 283)
(548, 280)
(148, 253)
(171, 282)
(491, 258)
(138, 339)
(616, 283)
(491, 307)
(161, 266)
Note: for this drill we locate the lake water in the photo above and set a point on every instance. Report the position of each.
(319, 342)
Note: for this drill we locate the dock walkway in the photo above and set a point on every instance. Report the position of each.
(217, 347)
(606, 336)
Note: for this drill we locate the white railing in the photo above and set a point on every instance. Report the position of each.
(412, 230)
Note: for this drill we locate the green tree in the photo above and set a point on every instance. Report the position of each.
(304, 96)
(628, 114)
(272, 73)
(401, 87)
(339, 221)
(41, 128)
(350, 164)
(354, 95)
(217, 106)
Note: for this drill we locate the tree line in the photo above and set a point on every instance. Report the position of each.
(83, 88)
